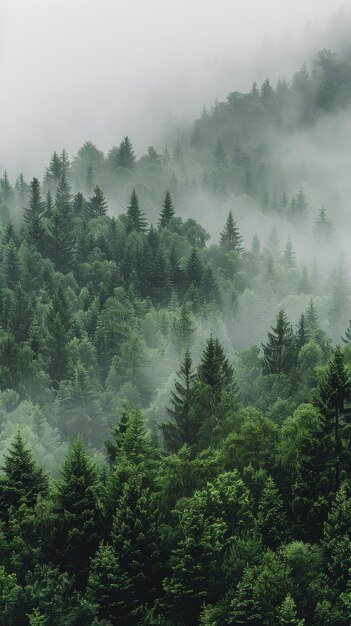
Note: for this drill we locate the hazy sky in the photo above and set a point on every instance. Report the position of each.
(73, 70)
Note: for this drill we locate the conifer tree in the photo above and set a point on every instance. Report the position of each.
(323, 228)
(311, 318)
(289, 255)
(60, 242)
(108, 588)
(183, 428)
(167, 212)
(49, 205)
(134, 539)
(193, 270)
(288, 613)
(33, 217)
(302, 333)
(78, 203)
(22, 481)
(76, 512)
(135, 217)
(54, 171)
(336, 541)
(97, 205)
(183, 328)
(125, 156)
(12, 266)
(6, 188)
(214, 368)
(279, 352)
(230, 238)
(59, 326)
(272, 521)
(332, 392)
(298, 206)
(63, 199)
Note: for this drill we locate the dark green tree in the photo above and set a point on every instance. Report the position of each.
(33, 217)
(76, 514)
(272, 523)
(279, 353)
(125, 156)
(183, 428)
(230, 238)
(97, 205)
(135, 217)
(167, 212)
(59, 326)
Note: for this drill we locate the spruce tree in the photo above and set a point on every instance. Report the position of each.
(220, 157)
(135, 217)
(97, 205)
(230, 238)
(33, 217)
(272, 523)
(11, 264)
(76, 514)
(289, 255)
(302, 335)
(167, 212)
(288, 613)
(134, 539)
(183, 427)
(312, 323)
(60, 242)
(279, 353)
(108, 588)
(125, 156)
(22, 481)
(59, 326)
(323, 228)
(332, 392)
(214, 368)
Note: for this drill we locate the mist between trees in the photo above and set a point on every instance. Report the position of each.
(174, 407)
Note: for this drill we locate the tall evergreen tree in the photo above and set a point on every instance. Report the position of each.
(60, 242)
(59, 326)
(167, 211)
(289, 255)
(33, 217)
(135, 217)
(230, 238)
(302, 334)
(323, 228)
(272, 521)
(76, 512)
(279, 353)
(22, 481)
(214, 368)
(125, 156)
(11, 264)
(312, 323)
(183, 427)
(97, 205)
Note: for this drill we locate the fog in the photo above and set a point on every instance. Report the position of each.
(72, 71)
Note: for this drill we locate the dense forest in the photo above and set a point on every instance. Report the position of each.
(175, 414)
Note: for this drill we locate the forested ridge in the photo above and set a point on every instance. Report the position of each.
(175, 411)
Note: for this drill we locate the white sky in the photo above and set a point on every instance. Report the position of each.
(73, 70)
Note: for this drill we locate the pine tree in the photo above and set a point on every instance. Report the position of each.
(183, 328)
(97, 205)
(6, 188)
(33, 217)
(314, 481)
(183, 428)
(323, 228)
(312, 324)
(54, 171)
(125, 156)
(332, 392)
(193, 270)
(49, 205)
(22, 481)
(336, 541)
(109, 587)
(76, 513)
(63, 199)
(298, 206)
(302, 336)
(135, 217)
(288, 613)
(230, 238)
(78, 204)
(279, 353)
(272, 521)
(134, 539)
(289, 255)
(12, 266)
(60, 242)
(59, 326)
(167, 212)
(214, 368)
